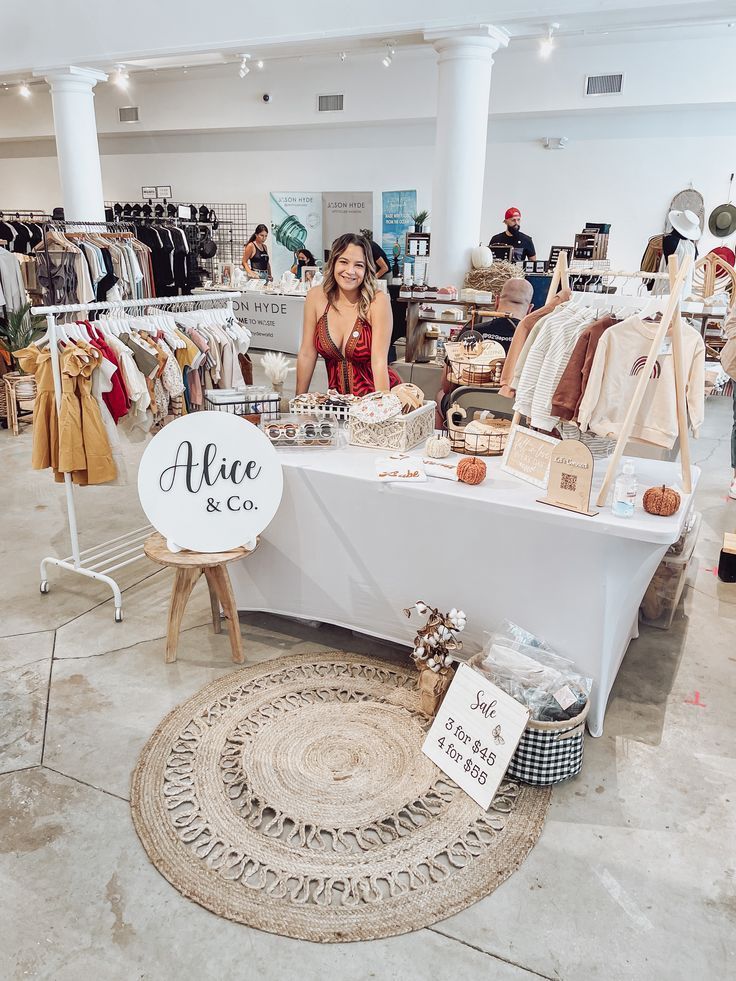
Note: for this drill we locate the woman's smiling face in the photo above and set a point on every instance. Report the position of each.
(350, 268)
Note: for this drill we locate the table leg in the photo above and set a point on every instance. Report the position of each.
(227, 599)
(184, 580)
(214, 599)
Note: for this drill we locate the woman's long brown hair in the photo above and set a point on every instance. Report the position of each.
(367, 287)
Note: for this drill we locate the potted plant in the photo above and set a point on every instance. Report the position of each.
(419, 219)
(435, 645)
(19, 330)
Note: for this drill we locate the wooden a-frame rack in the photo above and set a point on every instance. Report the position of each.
(671, 319)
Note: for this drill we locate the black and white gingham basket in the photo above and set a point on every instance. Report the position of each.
(550, 752)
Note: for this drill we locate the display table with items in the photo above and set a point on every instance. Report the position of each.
(351, 549)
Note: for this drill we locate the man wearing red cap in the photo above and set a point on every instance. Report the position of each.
(522, 246)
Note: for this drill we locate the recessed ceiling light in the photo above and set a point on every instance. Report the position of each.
(547, 44)
(121, 78)
(259, 64)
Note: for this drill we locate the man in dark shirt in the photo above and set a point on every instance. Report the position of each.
(379, 256)
(521, 245)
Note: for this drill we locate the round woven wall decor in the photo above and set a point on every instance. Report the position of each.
(293, 796)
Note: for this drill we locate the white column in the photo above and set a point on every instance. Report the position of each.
(77, 150)
(464, 62)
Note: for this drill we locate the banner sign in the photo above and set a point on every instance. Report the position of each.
(343, 212)
(275, 321)
(296, 223)
(398, 207)
(475, 734)
(210, 482)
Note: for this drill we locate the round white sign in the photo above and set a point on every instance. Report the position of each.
(210, 482)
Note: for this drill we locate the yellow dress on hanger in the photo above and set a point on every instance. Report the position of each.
(100, 465)
(72, 455)
(45, 451)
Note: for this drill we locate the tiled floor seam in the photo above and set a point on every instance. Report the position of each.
(48, 697)
(117, 650)
(83, 783)
(497, 957)
(84, 613)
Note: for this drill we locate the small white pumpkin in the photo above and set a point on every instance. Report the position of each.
(437, 447)
(481, 257)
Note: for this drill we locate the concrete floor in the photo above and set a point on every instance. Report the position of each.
(634, 876)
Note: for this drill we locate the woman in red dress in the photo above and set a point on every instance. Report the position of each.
(348, 321)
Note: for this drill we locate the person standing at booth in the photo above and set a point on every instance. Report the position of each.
(522, 247)
(256, 260)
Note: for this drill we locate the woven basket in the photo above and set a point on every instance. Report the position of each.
(466, 373)
(400, 433)
(492, 443)
(336, 413)
(550, 752)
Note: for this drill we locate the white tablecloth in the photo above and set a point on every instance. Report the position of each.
(346, 549)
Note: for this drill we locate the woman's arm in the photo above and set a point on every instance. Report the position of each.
(382, 322)
(306, 359)
(270, 274)
(248, 253)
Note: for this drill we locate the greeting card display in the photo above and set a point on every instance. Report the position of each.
(210, 482)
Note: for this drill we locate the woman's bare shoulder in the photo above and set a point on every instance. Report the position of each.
(380, 301)
(316, 297)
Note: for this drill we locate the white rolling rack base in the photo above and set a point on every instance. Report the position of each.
(99, 561)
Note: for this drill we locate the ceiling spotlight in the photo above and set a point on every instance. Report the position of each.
(244, 66)
(547, 44)
(389, 56)
(342, 56)
(24, 90)
(259, 64)
(121, 77)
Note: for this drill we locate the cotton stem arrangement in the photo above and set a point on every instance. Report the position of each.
(436, 642)
(276, 367)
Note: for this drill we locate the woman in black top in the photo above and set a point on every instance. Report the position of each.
(256, 260)
(302, 258)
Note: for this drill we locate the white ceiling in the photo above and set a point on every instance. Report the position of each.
(172, 34)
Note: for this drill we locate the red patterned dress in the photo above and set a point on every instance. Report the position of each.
(349, 373)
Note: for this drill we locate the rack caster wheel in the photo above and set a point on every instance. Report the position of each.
(118, 615)
(44, 587)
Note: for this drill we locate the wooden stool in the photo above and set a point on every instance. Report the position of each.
(189, 566)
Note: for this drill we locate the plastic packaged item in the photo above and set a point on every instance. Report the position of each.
(668, 582)
(546, 683)
(624, 492)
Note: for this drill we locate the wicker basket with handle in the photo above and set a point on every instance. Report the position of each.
(400, 433)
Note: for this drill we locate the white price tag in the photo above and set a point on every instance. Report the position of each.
(564, 697)
(666, 347)
(475, 734)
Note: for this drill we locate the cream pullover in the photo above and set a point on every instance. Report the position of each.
(614, 374)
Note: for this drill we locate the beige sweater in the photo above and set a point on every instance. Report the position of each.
(618, 362)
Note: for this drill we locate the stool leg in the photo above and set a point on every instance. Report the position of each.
(184, 580)
(225, 592)
(214, 599)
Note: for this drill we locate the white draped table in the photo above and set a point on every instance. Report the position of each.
(348, 550)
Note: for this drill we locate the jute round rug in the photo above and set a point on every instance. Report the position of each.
(293, 796)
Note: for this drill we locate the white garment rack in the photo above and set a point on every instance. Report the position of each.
(100, 560)
(671, 318)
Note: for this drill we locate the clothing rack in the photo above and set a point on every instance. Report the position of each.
(76, 229)
(671, 319)
(98, 561)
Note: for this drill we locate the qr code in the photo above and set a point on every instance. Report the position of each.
(569, 481)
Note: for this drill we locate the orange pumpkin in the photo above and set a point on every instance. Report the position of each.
(471, 470)
(661, 500)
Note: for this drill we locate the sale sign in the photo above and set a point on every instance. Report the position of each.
(210, 482)
(475, 734)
